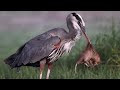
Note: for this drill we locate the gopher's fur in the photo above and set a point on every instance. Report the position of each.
(89, 57)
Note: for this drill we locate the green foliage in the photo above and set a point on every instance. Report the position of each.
(108, 45)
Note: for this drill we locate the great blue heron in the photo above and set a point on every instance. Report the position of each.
(46, 48)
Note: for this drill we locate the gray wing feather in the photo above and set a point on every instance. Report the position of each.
(37, 49)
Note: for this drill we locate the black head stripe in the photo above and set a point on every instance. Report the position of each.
(79, 21)
(77, 17)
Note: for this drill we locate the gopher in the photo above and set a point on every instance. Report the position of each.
(89, 56)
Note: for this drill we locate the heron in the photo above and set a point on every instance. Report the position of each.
(46, 48)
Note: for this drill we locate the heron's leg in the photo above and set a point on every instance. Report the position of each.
(42, 65)
(49, 69)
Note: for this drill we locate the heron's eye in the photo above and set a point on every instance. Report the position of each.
(38, 39)
(79, 23)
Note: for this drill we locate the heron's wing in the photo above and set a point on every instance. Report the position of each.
(37, 49)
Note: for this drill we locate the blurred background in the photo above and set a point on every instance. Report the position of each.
(43, 20)
(17, 27)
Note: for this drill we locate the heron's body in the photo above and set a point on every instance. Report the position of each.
(41, 47)
(49, 46)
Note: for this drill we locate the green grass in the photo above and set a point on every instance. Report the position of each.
(107, 44)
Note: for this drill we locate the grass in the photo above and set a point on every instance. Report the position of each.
(107, 44)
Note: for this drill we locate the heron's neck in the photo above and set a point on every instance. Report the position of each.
(73, 33)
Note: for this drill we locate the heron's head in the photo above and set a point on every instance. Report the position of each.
(77, 21)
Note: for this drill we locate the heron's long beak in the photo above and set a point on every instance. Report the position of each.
(85, 35)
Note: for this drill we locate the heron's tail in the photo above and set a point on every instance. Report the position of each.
(10, 60)
(14, 60)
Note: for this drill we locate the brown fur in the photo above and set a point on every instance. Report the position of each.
(89, 57)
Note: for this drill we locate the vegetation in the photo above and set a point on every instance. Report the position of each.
(107, 45)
